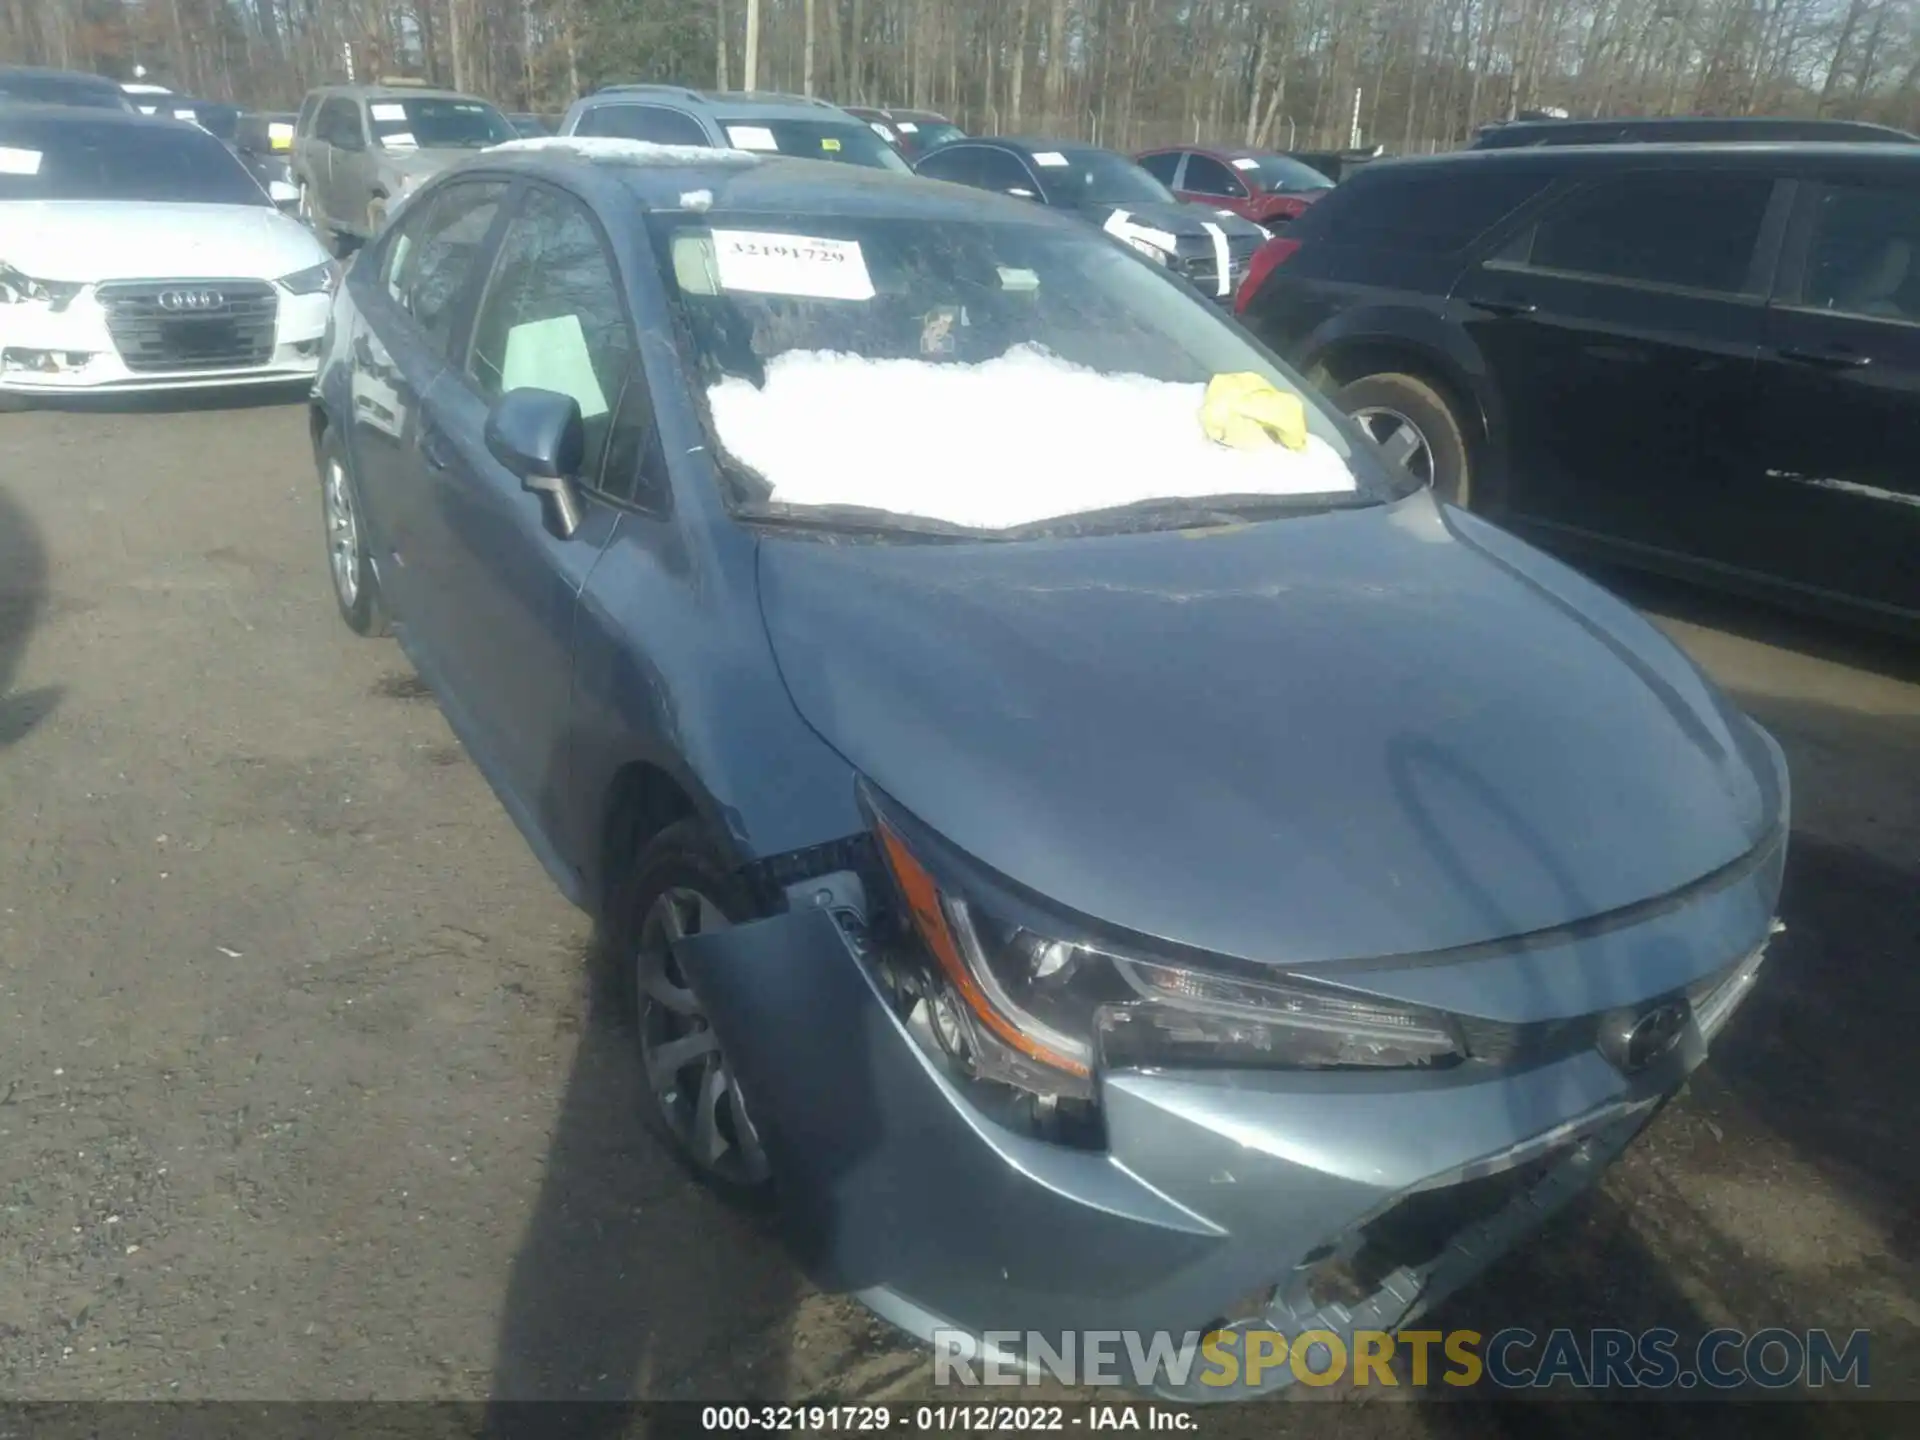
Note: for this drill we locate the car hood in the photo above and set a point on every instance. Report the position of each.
(1364, 733)
(1181, 218)
(88, 240)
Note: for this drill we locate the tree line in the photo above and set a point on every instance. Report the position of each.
(1409, 75)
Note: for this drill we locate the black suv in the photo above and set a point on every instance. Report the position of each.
(1703, 358)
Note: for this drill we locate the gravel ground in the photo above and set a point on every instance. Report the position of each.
(304, 1092)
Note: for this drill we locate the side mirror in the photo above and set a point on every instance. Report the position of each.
(286, 196)
(539, 436)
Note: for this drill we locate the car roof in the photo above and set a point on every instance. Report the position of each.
(1727, 153)
(1683, 123)
(1031, 143)
(56, 70)
(395, 92)
(736, 104)
(660, 177)
(75, 115)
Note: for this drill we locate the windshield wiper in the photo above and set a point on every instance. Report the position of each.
(859, 520)
(1195, 513)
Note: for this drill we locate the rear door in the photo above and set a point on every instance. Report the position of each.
(425, 272)
(1832, 481)
(1622, 328)
(553, 316)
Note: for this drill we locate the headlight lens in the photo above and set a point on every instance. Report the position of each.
(19, 289)
(1147, 248)
(314, 280)
(1011, 1003)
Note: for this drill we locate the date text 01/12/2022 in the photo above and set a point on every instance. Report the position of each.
(938, 1419)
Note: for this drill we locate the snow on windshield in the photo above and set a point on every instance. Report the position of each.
(631, 152)
(1023, 437)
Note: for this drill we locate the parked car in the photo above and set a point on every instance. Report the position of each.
(145, 96)
(137, 254)
(1208, 246)
(1257, 185)
(217, 117)
(912, 132)
(759, 121)
(1337, 165)
(31, 85)
(264, 142)
(1684, 129)
(1701, 359)
(358, 150)
(1111, 879)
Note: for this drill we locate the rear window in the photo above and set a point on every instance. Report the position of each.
(850, 144)
(55, 88)
(1432, 211)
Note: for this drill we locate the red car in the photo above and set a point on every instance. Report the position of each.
(1266, 188)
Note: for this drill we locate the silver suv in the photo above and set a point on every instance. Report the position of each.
(358, 149)
(731, 120)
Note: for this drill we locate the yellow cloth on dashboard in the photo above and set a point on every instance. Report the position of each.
(1247, 411)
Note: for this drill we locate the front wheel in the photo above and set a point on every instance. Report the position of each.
(680, 887)
(1415, 429)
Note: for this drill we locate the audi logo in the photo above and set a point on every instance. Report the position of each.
(179, 300)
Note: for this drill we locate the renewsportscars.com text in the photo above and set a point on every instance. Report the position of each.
(1510, 1359)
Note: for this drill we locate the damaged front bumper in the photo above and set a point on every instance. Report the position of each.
(1222, 1200)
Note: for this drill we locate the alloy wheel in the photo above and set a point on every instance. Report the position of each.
(343, 534)
(1401, 442)
(687, 1071)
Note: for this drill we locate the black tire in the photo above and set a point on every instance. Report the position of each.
(1408, 399)
(679, 860)
(358, 597)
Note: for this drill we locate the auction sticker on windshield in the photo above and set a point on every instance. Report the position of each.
(19, 162)
(1049, 157)
(752, 137)
(389, 112)
(770, 263)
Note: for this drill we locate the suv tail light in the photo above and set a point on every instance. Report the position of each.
(1269, 257)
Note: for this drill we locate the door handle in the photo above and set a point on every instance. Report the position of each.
(1510, 308)
(1831, 359)
(433, 446)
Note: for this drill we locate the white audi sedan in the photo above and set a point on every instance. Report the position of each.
(139, 254)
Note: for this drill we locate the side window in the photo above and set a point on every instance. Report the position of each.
(643, 122)
(309, 107)
(1863, 260)
(956, 164)
(1006, 173)
(1429, 212)
(436, 252)
(554, 318)
(1162, 166)
(1696, 231)
(339, 124)
(1207, 176)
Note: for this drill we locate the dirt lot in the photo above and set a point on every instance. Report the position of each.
(303, 1092)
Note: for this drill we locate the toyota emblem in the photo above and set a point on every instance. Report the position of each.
(1634, 1040)
(191, 300)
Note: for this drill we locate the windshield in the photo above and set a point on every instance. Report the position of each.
(928, 133)
(1097, 177)
(91, 160)
(62, 90)
(1276, 173)
(433, 122)
(968, 374)
(815, 140)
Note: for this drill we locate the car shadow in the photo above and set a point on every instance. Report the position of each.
(632, 1281)
(23, 601)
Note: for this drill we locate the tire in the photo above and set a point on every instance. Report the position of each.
(680, 874)
(356, 589)
(1400, 410)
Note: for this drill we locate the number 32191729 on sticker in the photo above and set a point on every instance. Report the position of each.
(807, 266)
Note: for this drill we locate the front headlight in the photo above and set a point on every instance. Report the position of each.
(19, 289)
(314, 280)
(1009, 1000)
(1147, 248)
